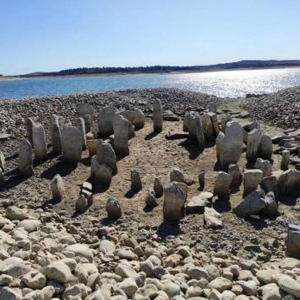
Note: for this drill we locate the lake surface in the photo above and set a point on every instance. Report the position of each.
(221, 83)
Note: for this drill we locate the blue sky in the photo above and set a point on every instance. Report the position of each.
(49, 35)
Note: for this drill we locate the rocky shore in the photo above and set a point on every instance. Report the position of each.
(189, 198)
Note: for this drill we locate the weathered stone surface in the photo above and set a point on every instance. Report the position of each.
(8, 293)
(252, 204)
(176, 175)
(224, 120)
(271, 209)
(150, 200)
(208, 128)
(107, 156)
(271, 292)
(251, 180)
(289, 182)
(82, 204)
(105, 121)
(253, 142)
(236, 175)
(100, 172)
(2, 180)
(201, 179)
(81, 127)
(59, 272)
(195, 129)
(289, 285)
(113, 209)
(29, 124)
(56, 138)
(174, 201)
(121, 129)
(139, 120)
(136, 182)
(39, 141)
(214, 121)
(285, 159)
(25, 158)
(88, 123)
(2, 161)
(157, 116)
(71, 144)
(57, 188)
(293, 241)
(158, 188)
(265, 166)
(269, 184)
(222, 185)
(230, 145)
(265, 150)
(84, 109)
(92, 145)
(212, 219)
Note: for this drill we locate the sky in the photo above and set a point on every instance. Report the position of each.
(52, 35)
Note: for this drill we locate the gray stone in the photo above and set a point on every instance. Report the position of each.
(158, 188)
(139, 120)
(101, 173)
(252, 178)
(214, 121)
(81, 127)
(25, 158)
(253, 142)
(220, 284)
(195, 129)
(236, 175)
(29, 124)
(224, 120)
(157, 116)
(271, 209)
(57, 188)
(293, 241)
(113, 209)
(84, 109)
(176, 175)
(150, 200)
(71, 144)
(121, 129)
(107, 156)
(34, 280)
(82, 204)
(59, 272)
(289, 285)
(265, 150)
(8, 293)
(212, 219)
(269, 184)
(56, 138)
(2, 161)
(289, 182)
(271, 292)
(285, 159)
(92, 145)
(208, 128)
(201, 179)
(136, 182)
(39, 141)
(88, 123)
(222, 185)
(265, 166)
(105, 121)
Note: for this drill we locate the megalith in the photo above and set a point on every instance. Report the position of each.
(105, 121)
(25, 158)
(157, 116)
(121, 129)
(39, 141)
(71, 144)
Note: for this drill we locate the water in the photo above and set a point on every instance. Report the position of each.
(222, 83)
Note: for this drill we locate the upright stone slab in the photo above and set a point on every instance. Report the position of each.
(230, 145)
(215, 123)
(252, 178)
(265, 147)
(105, 121)
(121, 129)
(29, 124)
(158, 188)
(92, 145)
(175, 198)
(56, 138)
(57, 188)
(87, 123)
(107, 156)
(208, 128)
(269, 184)
(289, 182)
(113, 209)
(201, 179)
(224, 120)
(101, 173)
(39, 141)
(176, 175)
(25, 158)
(71, 144)
(293, 241)
(253, 142)
(136, 182)
(236, 175)
(139, 119)
(285, 159)
(185, 127)
(195, 129)
(222, 185)
(265, 166)
(84, 109)
(157, 116)
(81, 127)
(150, 200)
(2, 161)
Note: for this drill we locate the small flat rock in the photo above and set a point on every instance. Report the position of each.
(220, 284)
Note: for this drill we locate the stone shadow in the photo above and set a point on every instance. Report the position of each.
(289, 200)
(218, 167)
(192, 148)
(130, 194)
(258, 223)
(177, 136)
(221, 205)
(168, 228)
(61, 168)
(151, 135)
(15, 179)
(107, 221)
(86, 161)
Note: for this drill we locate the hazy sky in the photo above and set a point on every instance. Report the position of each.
(48, 35)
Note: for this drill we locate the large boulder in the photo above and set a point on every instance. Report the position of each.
(71, 144)
(208, 128)
(289, 182)
(101, 172)
(265, 149)
(84, 109)
(195, 128)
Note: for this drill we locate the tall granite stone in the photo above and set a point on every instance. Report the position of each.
(39, 141)
(215, 123)
(253, 142)
(285, 160)
(236, 175)
(2, 161)
(139, 119)
(71, 144)
(56, 138)
(293, 241)
(195, 129)
(222, 185)
(157, 116)
(107, 156)
(208, 128)
(121, 129)
(136, 182)
(29, 124)
(84, 109)
(25, 158)
(224, 120)
(264, 165)
(252, 178)
(81, 127)
(105, 121)
(265, 150)
(100, 172)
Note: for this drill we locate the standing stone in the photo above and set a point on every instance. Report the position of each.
(201, 179)
(253, 142)
(224, 120)
(136, 182)
(121, 129)
(107, 156)
(175, 197)
(2, 180)
(113, 209)
(293, 241)
(265, 166)
(39, 141)
(214, 121)
(269, 184)
(87, 123)
(92, 145)
(150, 200)
(2, 161)
(195, 129)
(139, 119)
(252, 178)
(81, 204)
(158, 188)
(56, 138)
(289, 182)
(222, 185)
(59, 120)
(212, 107)
(230, 145)
(157, 116)
(236, 175)
(84, 109)
(25, 158)
(71, 144)
(29, 124)
(285, 159)
(57, 188)
(185, 127)
(81, 127)
(265, 150)
(102, 173)
(105, 121)
(176, 175)
(208, 128)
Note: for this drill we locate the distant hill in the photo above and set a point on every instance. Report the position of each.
(244, 64)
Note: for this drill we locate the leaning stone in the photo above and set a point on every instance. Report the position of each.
(157, 116)
(293, 241)
(265, 149)
(176, 175)
(25, 158)
(2, 161)
(107, 156)
(136, 182)
(158, 188)
(252, 178)
(71, 144)
(207, 127)
(105, 121)
(175, 198)
(81, 127)
(39, 141)
(236, 175)
(269, 184)
(113, 209)
(252, 204)
(121, 129)
(57, 188)
(265, 166)
(139, 119)
(230, 145)
(56, 138)
(253, 142)
(29, 125)
(271, 209)
(289, 182)
(222, 185)
(150, 200)
(285, 159)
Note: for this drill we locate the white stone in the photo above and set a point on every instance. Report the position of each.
(57, 188)
(39, 141)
